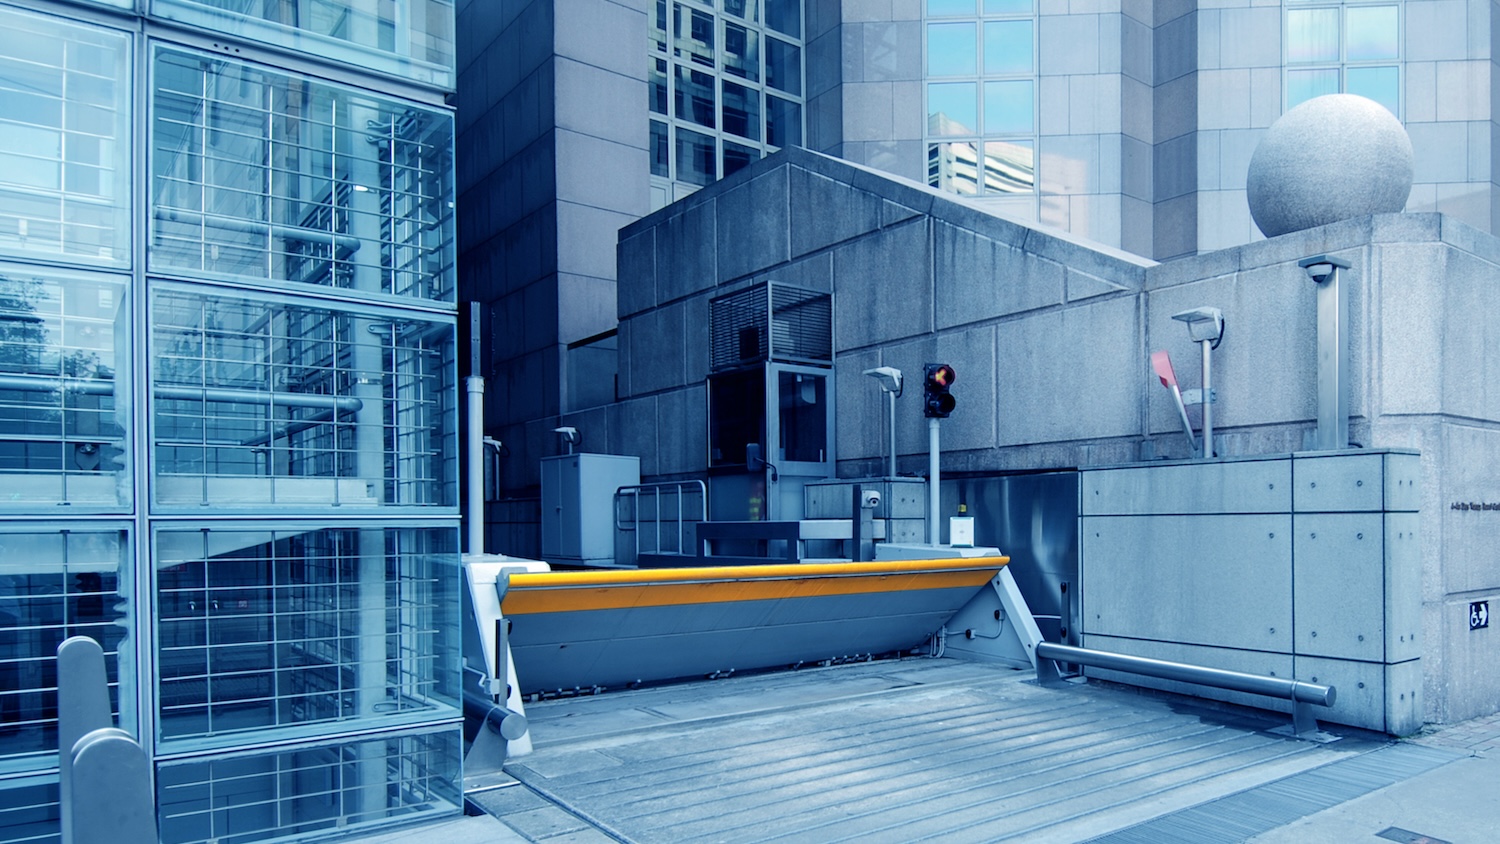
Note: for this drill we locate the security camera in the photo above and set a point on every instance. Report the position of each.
(869, 499)
(1319, 273)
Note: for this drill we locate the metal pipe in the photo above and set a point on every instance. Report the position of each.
(475, 387)
(1208, 399)
(1238, 681)
(934, 477)
(891, 472)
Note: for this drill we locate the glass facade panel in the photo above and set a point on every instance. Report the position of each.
(266, 402)
(696, 158)
(64, 391)
(658, 86)
(954, 167)
(262, 175)
(952, 49)
(301, 791)
(1381, 84)
(783, 66)
(952, 108)
(785, 16)
(747, 10)
(1009, 167)
(1372, 33)
(1007, 47)
(64, 140)
(741, 111)
(694, 94)
(260, 629)
(1009, 107)
(741, 52)
(55, 584)
(783, 122)
(661, 162)
(1312, 35)
(738, 156)
(1008, 7)
(409, 38)
(695, 35)
(1303, 85)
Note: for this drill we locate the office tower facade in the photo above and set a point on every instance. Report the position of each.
(228, 422)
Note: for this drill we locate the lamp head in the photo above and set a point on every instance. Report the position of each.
(1205, 325)
(888, 376)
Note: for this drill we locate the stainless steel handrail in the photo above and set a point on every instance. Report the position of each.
(678, 490)
(1300, 693)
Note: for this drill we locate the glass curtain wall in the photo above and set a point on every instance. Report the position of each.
(981, 96)
(726, 88)
(286, 350)
(1348, 48)
(412, 39)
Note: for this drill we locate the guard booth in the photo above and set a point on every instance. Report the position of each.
(770, 395)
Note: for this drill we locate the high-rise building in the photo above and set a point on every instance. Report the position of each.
(228, 439)
(1126, 122)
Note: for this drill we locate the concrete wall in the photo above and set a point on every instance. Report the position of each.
(1302, 567)
(1051, 336)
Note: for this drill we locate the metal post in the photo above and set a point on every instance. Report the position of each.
(1333, 351)
(475, 386)
(1208, 400)
(891, 401)
(934, 478)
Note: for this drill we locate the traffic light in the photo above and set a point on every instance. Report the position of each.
(938, 402)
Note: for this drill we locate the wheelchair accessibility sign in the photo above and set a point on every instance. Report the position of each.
(1479, 614)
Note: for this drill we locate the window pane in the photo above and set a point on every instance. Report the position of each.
(54, 585)
(1008, 107)
(1009, 167)
(783, 122)
(64, 391)
(741, 111)
(946, 8)
(660, 164)
(1373, 33)
(280, 628)
(742, 52)
(783, 66)
(695, 35)
(1007, 7)
(266, 402)
(1007, 47)
(737, 156)
(785, 16)
(1381, 84)
(951, 49)
(658, 74)
(694, 96)
(952, 108)
(413, 38)
(264, 175)
(658, 26)
(696, 158)
(953, 167)
(1303, 85)
(745, 10)
(292, 793)
(64, 140)
(1312, 35)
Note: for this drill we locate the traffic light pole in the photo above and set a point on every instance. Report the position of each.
(933, 481)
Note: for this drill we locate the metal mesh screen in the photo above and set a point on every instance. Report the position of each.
(771, 322)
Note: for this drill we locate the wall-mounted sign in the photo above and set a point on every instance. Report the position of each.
(1479, 614)
(1474, 505)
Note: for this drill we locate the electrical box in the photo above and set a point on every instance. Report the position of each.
(578, 506)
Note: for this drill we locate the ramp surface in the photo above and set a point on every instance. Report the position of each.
(903, 750)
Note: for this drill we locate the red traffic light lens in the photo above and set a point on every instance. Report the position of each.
(941, 375)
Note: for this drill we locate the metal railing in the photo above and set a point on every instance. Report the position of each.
(1302, 695)
(661, 516)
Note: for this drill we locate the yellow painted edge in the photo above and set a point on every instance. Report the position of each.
(621, 577)
(633, 595)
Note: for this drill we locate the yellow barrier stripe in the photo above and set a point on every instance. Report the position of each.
(620, 577)
(539, 599)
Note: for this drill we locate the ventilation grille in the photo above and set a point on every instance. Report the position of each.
(771, 322)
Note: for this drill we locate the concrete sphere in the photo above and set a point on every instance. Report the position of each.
(1329, 159)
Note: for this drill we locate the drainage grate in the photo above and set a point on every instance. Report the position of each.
(1241, 816)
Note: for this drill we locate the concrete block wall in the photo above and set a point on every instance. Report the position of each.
(1306, 567)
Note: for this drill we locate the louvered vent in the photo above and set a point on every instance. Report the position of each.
(771, 322)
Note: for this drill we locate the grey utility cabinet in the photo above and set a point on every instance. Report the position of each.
(578, 501)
